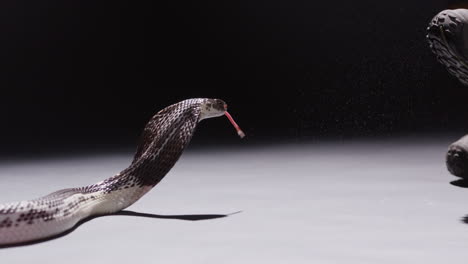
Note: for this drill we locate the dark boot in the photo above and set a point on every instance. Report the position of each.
(447, 35)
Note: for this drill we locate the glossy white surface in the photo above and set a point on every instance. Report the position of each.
(363, 202)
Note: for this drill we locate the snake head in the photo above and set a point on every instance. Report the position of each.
(212, 108)
(216, 107)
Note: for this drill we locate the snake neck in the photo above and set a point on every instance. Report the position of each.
(163, 140)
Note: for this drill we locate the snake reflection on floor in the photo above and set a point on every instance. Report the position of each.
(164, 138)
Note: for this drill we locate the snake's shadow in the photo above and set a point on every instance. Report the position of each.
(187, 217)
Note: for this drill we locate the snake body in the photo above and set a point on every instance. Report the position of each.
(163, 140)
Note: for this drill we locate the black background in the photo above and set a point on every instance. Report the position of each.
(91, 73)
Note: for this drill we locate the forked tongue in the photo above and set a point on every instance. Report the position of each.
(239, 131)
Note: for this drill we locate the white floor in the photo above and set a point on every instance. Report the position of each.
(375, 202)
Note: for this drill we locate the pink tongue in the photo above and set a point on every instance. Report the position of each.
(239, 131)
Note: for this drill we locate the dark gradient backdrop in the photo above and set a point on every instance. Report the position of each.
(93, 72)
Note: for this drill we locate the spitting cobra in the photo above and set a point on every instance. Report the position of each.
(162, 142)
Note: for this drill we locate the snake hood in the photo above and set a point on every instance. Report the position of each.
(162, 142)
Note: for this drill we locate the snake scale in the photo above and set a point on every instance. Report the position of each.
(163, 140)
